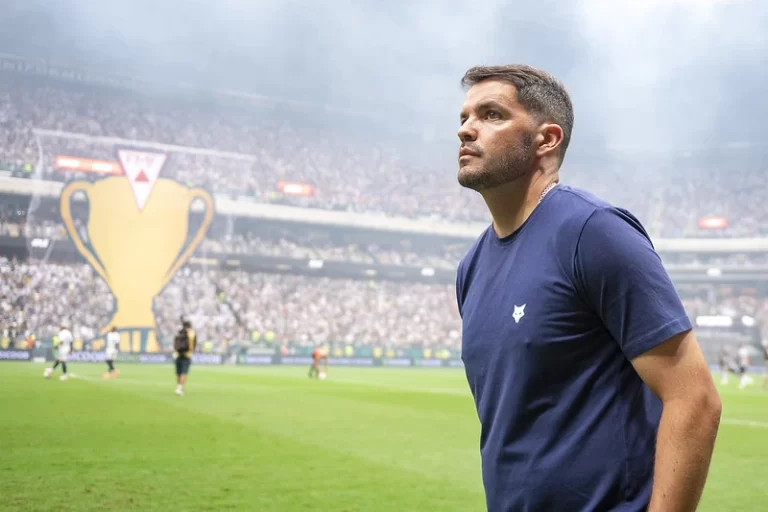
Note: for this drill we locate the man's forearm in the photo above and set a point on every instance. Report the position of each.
(684, 445)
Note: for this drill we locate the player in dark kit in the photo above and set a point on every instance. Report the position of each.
(184, 345)
(591, 389)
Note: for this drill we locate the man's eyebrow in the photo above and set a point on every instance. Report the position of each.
(484, 105)
(490, 104)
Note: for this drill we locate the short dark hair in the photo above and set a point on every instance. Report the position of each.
(540, 93)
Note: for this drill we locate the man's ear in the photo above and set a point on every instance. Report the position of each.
(550, 137)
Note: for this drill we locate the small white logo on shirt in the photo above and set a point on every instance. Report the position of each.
(519, 313)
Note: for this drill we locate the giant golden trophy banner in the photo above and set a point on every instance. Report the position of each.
(137, 233)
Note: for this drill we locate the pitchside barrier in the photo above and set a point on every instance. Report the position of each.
(246, 360)
(259, 360)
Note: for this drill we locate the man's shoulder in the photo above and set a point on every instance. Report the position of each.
(575, 204)
(574, 208)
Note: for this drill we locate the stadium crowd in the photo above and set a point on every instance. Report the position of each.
(277, 243)
(38, 298)
(443, 257)
(25, 216)
(17, 218)
(247, 151)
(224, 306)
(251, 151)
(227, 306)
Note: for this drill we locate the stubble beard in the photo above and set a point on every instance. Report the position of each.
(502, 169)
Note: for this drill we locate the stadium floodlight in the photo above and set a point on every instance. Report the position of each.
(748, 321)
(714, 321)
(428, 272)
(316, 264)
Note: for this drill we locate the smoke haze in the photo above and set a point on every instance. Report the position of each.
(657, 74)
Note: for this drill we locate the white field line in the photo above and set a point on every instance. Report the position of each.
(744, 423)
(154, 383)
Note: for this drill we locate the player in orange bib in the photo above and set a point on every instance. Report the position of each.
(318, 355)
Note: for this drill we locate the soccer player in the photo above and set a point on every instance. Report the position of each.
(765, 358)
(184, 345)
(723, 361)
(65, 347)
(113, 343)
(744, 362)
(318, 354)
(590, 386)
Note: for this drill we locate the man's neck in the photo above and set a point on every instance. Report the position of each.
(511, 204)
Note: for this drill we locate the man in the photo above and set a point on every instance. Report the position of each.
(723, 359)
(744, 361)
(113, 342)
(765, 361)
(184, 345)
(318, 354)
(65, 347)
(576, 346)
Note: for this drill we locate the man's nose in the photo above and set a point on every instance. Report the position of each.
(467, 132)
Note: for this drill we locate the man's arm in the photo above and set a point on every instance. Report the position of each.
(622, 277)
(677, 373)
(460, 271)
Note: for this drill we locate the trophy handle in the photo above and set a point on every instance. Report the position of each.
(66, 215)
(195, 193)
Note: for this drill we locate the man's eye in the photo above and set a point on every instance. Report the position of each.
(492, 114)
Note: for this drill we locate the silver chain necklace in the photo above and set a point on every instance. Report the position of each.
(546, 190)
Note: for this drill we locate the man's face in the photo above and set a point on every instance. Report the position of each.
(496, 137)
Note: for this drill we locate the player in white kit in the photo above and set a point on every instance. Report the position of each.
(724, 360)
(744, 361)
(65, 347)
(113, 342)
(765, 359)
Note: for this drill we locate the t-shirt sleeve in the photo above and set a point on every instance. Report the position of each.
(622, 278)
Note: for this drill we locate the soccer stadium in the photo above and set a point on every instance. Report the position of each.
(304, 214)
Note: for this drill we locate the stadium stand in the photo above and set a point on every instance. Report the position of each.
(228, 151)
(227, 306)
(387, 288)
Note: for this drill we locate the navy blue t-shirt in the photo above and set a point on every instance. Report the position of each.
(552, 316)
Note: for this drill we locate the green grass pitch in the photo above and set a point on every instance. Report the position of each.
(270, 439)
